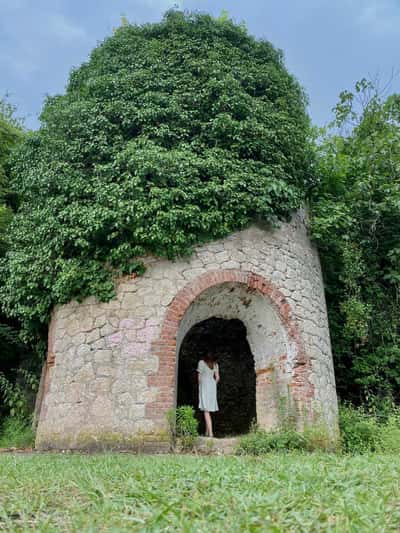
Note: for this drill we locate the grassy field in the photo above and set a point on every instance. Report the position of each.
(165, 493)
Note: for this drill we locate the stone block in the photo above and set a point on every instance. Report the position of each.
(214, 247)
(73, 327)
(85, 373)
(101, 408)
(99, 387)
(93, 336)
(128, 323)
(114, 340)
(222, 257)
(104, 371)
(99, 344)
(130, 286)
(136, 412)
(135, 349)
(145, 311)
(62, 345)
(100, 321)
(107, 330)
(112, 305)
(83, 350)
(193, 273)
(205, 257)
(102, 356)
(230, 265)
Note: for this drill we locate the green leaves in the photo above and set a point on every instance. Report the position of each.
(172, 134)
(356, 222)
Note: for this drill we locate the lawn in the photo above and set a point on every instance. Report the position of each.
(280, 492)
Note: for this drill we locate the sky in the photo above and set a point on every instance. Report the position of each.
(328, 44)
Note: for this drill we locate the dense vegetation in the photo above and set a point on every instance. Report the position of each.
(15, 357)
(356, 221)
(170, 135)
(282, 492)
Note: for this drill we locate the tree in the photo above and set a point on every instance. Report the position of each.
(12, 351)
(356, 222)
(170, 135)
(10, 134)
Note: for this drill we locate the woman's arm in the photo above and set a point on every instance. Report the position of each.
(216, 372)
(199, 369)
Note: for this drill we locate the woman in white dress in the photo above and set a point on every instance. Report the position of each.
(208, 376)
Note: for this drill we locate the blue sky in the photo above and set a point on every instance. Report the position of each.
(328, 44)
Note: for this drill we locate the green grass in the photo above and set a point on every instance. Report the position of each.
(280, 492)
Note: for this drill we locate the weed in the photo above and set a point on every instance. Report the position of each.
(15, 433)
(183, 426)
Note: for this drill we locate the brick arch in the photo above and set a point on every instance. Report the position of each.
(165, 347)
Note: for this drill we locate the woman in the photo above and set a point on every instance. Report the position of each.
(208, 377)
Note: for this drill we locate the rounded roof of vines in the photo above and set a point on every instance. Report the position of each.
(171, 134)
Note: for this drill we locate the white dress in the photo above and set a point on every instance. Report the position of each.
(207, 387)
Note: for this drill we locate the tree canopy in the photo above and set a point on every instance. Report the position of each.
(356, 222)
(10, 135)
(12, 351)
(170, 135)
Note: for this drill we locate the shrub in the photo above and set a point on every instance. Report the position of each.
(18, 396)
(259, 442)
(319, 438)
(390, 436)
(359, 431)
(16, 433)
(369, 430)
(183, 426)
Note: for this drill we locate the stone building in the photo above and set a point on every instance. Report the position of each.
(112, 368)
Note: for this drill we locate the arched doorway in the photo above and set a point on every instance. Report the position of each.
(227, 341)
(281, 367)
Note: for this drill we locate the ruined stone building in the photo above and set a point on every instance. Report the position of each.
(256, 299)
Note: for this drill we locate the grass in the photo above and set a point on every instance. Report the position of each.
(279, 492)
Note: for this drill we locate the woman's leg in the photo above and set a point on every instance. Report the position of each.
(207, 418)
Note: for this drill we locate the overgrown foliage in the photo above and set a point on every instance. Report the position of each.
(260, 442)
(365, 430)
(13, 352)
(183, 426)
(10, 135)
(17, 399)
(16, 433)
(19, 396)
(170, 135)
(356, 222)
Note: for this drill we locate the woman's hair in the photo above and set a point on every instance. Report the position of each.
(209, 358)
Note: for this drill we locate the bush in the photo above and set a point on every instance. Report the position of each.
(259, 442)
(16, 433)
(359, 432)
(19, 396)
(183, 426)
(363, 430)
(319, 438)
(390, 436)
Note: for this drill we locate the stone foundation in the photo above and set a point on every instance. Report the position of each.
(111, 373)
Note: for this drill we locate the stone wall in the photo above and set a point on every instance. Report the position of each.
(112, 367)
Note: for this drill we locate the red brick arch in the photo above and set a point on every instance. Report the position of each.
(165, 347)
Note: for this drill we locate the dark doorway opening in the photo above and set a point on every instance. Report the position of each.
(226, 339)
